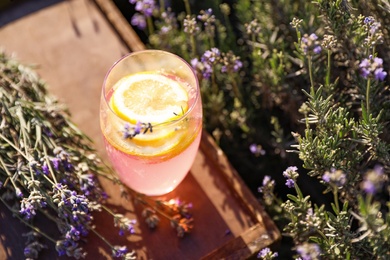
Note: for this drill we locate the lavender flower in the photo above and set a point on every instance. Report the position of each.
(211, 56)
(32, 249)
(335, 177)
(28, 206)
(207, 17)
(290, 183)
(368, 20)
(119, 251)
(329, 42)
(267, 181)
(326, 177)
(266, 253)
(256, 149)
(310, 44)
(124, 224)
(70, 248)
(18, 193)
(56, 163)
(73, 233)
(372, 68)
(35, 166)
(267, 190)
(374, 34)
(146, 7)
(190, 25)
(131, 131)
(291, 174)
(230, 63)
(309, 251)
(296, 23)
(373, 180)
(137, 128)
(45, 169)
(139, 21)
(253, 28)
(207, 61)
(379, 74)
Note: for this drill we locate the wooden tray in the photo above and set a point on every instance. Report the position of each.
(73, 44)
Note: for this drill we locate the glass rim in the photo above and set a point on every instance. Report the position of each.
(162, 124)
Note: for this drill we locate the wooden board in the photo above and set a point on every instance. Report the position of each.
(72, 44)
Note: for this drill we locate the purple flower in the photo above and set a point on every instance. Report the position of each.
(256, 149)
(309, 251)
(210, 56)
(19, 193)
(317, 49)
(326, 177)
(291, 172)
(138, 127)
(290, 183)
(310, 44)
(253, 148)
(45, 169)
(377, 61)
(119, 251)
(267, 182)
(373, 180)
(372, 68)
(207, 71)
(194, 62)
(266, 253)
(139, 21)
(267, 179)
(56, 163)
(379, 74)
(237, 65)
(207, 17)
(374, 27)
(27, 209)
(73, 234)
(145, 7)
(335, 177)
(231, 63)
(131, 131)
(368, 20)
(190, 25)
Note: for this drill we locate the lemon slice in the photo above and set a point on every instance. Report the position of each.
(149, 97)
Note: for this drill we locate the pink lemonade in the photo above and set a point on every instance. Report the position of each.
(153, 162)
(152, 176)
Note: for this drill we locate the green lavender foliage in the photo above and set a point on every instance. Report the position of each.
(304, 96)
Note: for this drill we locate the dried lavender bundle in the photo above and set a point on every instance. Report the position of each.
(47, 166)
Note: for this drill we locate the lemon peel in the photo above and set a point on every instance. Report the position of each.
(149, 97)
